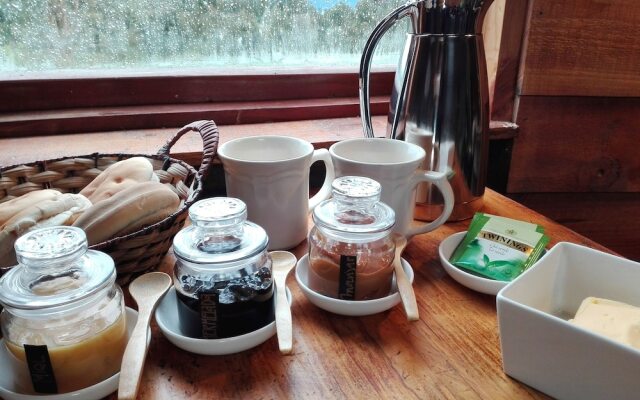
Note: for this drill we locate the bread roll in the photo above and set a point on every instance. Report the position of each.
(127, 211)
(61, 210)
(10, 208)
(118, 177)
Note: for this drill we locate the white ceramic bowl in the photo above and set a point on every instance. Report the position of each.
(542, 349)
(474, 282)
(95, 392)
(167, 319)
(355, 308)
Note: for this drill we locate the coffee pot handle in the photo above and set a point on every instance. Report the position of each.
(367, 55)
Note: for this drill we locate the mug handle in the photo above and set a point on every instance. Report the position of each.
(442, 183)
(325, 191)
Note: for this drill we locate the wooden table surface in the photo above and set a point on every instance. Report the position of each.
(452, 352)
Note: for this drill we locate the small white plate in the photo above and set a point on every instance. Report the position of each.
(167, 319)
(95, 392)
(352, 308)
(474, 282)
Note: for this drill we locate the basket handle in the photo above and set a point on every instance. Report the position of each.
(208, 130)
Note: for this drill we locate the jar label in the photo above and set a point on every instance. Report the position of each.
(347, 284)
(40, 369)
(209, 314)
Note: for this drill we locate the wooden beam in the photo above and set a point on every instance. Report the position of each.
(511, 43)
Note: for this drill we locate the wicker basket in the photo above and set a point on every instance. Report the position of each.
(143, 250)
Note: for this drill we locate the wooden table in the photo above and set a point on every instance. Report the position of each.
(452, 352)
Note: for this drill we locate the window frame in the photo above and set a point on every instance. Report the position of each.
(94, 101)
(64, 103)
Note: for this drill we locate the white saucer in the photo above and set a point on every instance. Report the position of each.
(352, 308)
(95, 392)
(474, 282)
(167, 319)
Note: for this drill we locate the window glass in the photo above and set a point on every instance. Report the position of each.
(38, 35)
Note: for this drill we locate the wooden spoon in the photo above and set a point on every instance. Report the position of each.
(146, 290)
(404, 286)
(283, 262)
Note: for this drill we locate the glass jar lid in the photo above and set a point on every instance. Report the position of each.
(54, 269)
(219, 233)
(355, 208)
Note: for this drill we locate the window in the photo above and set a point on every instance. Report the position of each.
(79, 65)
(46, 35)
(99, 65)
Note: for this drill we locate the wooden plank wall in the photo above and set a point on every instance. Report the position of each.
(577, 104)
(583, 48)
(576, 144)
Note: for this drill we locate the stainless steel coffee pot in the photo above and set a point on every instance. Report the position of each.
(440, 99)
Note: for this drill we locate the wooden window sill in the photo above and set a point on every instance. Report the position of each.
(320, 132)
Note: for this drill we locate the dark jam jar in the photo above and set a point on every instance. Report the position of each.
(223, 272)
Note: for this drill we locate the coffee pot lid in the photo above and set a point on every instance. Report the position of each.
(449, 17)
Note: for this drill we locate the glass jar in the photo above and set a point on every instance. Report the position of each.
(351, 251)
(62, 303)
(223, 271)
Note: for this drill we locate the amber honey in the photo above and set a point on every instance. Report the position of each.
(78, 365)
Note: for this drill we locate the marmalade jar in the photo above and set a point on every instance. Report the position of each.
(64, 321)
(223, 271)
(351, 250)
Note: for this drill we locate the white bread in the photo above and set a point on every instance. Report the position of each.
(117, 177)
(10, 208)
(61, 210)
(127, 211)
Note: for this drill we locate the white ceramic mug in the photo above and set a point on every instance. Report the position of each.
(396, 165)
(271, 175)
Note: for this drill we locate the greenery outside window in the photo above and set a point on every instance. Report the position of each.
(121, 60)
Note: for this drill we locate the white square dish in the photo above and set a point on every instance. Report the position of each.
(545, 351)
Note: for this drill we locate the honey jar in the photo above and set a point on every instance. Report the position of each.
(64, 320)
(351, 251)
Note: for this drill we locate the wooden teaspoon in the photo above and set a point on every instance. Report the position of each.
(283, 262)
(146, 290)
(404, 286)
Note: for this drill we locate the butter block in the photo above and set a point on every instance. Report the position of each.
(613, 319)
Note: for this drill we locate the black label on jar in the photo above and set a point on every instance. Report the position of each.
(40, 369)
(209, 314)
(347, 284)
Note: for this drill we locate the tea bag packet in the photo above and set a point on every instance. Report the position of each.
(478, 217)
(499, 248)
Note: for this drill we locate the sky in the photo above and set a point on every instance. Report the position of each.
(326, 4)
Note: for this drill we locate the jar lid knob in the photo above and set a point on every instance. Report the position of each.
(355, 198)
(53, 244)
(357, 188)
(219, 223)
(55, 269)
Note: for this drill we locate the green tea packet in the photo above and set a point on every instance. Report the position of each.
(499, 248)
(522, 224)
